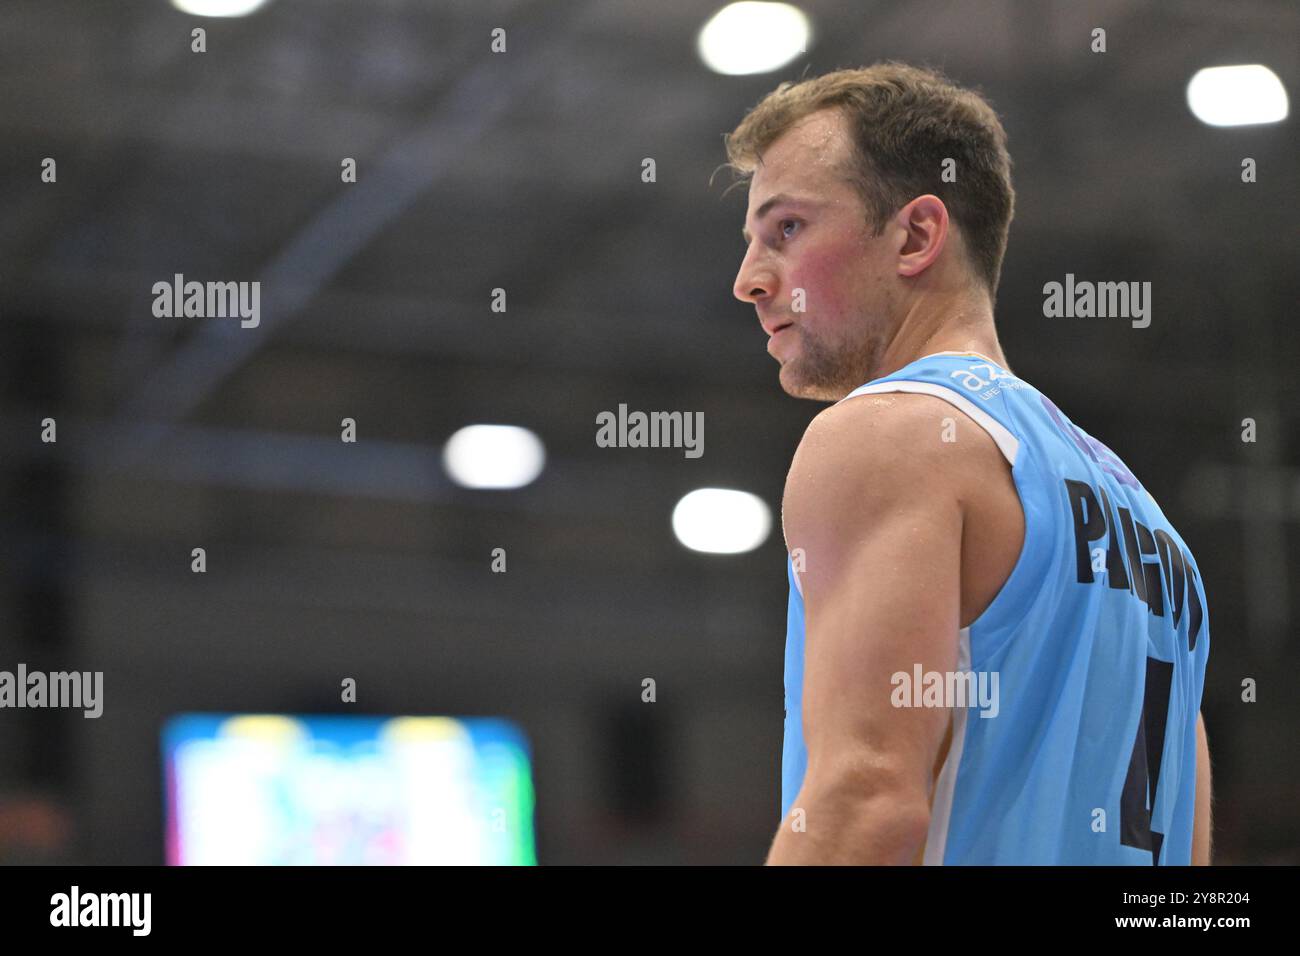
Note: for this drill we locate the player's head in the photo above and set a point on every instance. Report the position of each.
(900, 188)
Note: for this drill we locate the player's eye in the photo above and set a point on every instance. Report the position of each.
(783, 223)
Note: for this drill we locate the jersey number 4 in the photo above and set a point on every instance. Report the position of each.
(1139, 797)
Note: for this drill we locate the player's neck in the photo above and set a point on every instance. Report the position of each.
(957, 324)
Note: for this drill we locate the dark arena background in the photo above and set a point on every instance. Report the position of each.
(323, 599)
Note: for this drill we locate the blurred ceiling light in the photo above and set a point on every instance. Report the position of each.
(493, 456)
(1237, 96)
(751, 37)
(218, 8)
(721, 521)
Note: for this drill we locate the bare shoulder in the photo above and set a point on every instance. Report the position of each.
(895, 435)
(871, 452)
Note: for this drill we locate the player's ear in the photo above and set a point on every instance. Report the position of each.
(924, 222)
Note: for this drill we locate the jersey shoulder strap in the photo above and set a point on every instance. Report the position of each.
(967, 380)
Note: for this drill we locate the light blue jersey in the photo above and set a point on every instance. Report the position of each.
(1099, 639)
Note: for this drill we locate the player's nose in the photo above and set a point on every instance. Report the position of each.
(754, 281)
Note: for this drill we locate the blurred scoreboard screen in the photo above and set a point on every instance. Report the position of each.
(268, 789)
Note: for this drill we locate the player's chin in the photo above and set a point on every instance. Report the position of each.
(798, 386)
(792, 383)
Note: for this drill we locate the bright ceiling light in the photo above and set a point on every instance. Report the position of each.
(218, 8)
(493, 456)
(721, 521)
(752, 37)
(1237, 96)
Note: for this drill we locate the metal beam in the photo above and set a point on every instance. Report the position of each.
(338, 232)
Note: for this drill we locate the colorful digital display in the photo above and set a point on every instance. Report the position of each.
(269, 789)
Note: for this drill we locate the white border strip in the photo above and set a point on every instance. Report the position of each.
(1006, 442)
(936, 839)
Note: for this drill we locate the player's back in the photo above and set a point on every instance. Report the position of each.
(1098, 640)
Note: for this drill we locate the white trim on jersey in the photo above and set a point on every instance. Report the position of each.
(1006, 442)
(936, 838)
(976, 354)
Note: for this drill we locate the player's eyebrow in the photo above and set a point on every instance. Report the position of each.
(780, 199)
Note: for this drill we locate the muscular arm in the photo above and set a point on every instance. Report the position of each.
(1201, 843)
(872, 501)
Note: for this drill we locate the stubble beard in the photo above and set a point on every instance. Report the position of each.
(827, 372)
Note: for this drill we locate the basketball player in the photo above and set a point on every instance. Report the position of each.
(948, 526)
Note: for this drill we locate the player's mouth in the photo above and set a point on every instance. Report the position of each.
(777, 335)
